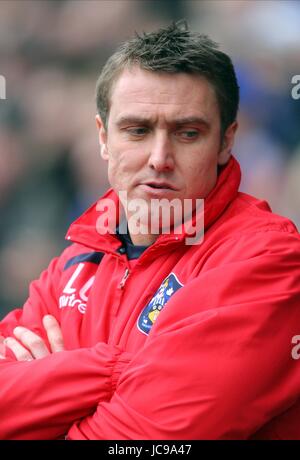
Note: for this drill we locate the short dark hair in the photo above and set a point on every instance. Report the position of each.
(174, 49)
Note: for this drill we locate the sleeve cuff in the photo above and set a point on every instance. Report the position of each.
(122, 360)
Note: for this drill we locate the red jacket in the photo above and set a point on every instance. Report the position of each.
(194, 342)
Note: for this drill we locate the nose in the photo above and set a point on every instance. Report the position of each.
(161, 156)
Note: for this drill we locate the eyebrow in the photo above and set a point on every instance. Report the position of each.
(177, 122)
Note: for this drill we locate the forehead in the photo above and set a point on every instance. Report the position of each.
(153, 93)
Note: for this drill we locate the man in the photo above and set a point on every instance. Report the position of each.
(145, 335)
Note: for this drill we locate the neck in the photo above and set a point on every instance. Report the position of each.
(141, 238)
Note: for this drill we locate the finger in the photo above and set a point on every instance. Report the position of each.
(32, 341)
(2, 350)
(54, 333)
(18, 350)
(2, 347)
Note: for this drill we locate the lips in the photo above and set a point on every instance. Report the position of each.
(159, 185)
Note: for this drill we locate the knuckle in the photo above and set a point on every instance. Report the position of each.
(57, 343)
(25, 357)
(35, 342)
(10, 342)
(52, 329)
(20, 334)
(7, 341)
(19, 351)
(50, 322)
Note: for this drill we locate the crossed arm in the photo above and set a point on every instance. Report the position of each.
(42, 398)
(211, 367)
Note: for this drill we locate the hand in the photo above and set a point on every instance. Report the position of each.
(30, 346)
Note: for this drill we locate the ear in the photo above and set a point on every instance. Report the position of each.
(227, 144)
(102, 137)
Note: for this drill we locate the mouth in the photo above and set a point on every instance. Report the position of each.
(159, 185)
(158, 189)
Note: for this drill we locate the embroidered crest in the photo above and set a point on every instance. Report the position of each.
(149, 315)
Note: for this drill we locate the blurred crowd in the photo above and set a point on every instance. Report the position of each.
(51, 52)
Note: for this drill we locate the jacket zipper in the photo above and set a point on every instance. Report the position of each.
(124, 279)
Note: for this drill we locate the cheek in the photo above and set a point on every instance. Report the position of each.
(122, 167)
(111, 173)
(204, 168)
(126, 157)
(201, 177)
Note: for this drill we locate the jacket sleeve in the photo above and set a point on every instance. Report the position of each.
(217, 363)
(41, 399)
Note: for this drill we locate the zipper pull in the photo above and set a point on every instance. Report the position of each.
(123, 281)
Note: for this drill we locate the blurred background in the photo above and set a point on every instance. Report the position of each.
(51, 52)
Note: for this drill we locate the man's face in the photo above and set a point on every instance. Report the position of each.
(163, 136)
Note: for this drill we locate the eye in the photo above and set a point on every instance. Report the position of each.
(137, 131)
(188, 134)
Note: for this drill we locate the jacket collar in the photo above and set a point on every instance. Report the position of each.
(85, 229)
